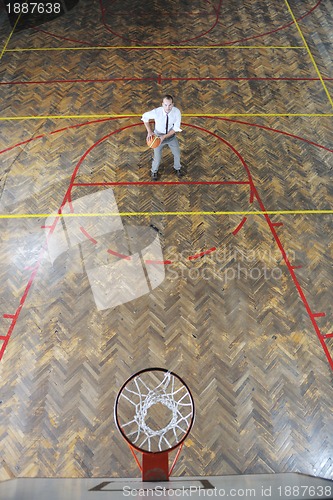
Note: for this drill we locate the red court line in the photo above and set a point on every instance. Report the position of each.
(164, 262)
(277, 29)
(159, 79)
(277, 224)
(249, 124)
(253, 194)
(102, 139)
(228, 42)
(131, 40)
(311, 315)
(15, 316)
(97, 80)
(269, 129)
(67, 197)
(117, 254)
(88, 235)
(23, 143)
(240, 225)
(160, 183)
(83, 157)
(120, 255)
(201, 254)
(100, 120)
(249, 79)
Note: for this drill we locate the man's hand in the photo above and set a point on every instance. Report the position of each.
(150, 133)
(170, 134)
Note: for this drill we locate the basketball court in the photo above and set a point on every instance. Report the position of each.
(223, 276)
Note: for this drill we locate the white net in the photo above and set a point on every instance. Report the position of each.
(155, 411)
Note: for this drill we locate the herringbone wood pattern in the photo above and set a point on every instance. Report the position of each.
(232, 323)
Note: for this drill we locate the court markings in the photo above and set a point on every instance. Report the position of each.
(175, 47)
(8, 39)
(309, 53)
(156, 47)
(175, 213)
(135, 115)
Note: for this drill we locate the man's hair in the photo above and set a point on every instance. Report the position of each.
(168, 96)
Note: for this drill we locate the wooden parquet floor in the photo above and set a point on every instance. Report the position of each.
(244, 312)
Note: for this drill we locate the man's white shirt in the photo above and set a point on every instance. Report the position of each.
(159, 116)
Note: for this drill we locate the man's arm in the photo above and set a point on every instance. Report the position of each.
(166, 136)
(150, 131)
(178, 120)
(146, 117)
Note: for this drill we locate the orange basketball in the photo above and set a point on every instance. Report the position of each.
(154, 142)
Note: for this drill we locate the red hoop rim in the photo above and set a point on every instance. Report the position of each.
(119, 425)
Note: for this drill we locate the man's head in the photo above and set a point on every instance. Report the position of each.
(167, 103)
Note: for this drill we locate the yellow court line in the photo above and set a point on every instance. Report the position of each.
(310, 54)
(197, 115)
(8, 39)
(169, 47)
(148, 214)
(212, 115)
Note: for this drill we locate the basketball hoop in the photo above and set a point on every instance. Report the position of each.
(154, 412)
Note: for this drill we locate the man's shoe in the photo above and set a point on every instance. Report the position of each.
(179, 173)
(154, 176)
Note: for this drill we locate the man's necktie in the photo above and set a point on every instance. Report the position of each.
(167, 124)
